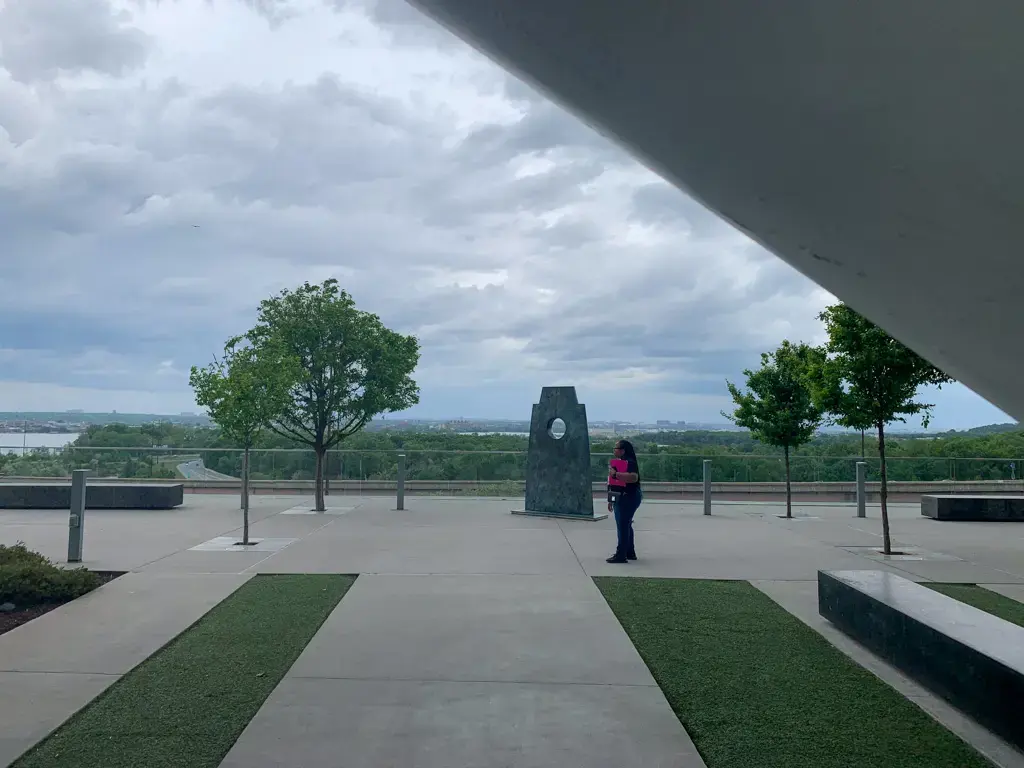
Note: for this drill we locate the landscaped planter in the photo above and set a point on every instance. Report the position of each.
(30, 585)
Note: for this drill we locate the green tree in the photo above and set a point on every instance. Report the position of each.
(243, 392)
(348, 367)
(870, 378)
(778, 407)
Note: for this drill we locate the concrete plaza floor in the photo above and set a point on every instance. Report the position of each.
(472, 637)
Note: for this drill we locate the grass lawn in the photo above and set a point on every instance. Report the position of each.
(757, 688)
(188, 703)
(984, 599)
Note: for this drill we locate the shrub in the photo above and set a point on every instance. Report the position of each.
(28, 578)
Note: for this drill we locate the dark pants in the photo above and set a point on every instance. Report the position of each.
(625, 507)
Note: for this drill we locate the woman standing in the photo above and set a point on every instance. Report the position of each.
(626, 503)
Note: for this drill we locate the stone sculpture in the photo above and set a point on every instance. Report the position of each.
(558, 471)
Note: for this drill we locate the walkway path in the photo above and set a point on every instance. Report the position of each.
(447, 671)
(472, 637)
(53, 666)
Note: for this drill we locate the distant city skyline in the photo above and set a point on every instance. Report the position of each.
(955, 407)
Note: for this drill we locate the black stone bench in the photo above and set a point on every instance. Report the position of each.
(973, 508)
(98, 495)
(972, 659)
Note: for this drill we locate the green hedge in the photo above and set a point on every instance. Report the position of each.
(27, 578)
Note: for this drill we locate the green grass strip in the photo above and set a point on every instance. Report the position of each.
(983, 599)
(757, 688)
(187, 704)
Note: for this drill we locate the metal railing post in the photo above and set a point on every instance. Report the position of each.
(862, 472)
(707, 486)
(400, 482)
(76, 518)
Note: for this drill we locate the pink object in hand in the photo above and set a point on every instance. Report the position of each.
(617, 465)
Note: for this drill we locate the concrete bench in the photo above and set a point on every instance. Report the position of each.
(972, 659)
(976, 508)
(99, 495)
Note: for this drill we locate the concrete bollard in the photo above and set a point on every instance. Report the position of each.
(76, 519)
(707, 486)
(862, 495)
(400, 484)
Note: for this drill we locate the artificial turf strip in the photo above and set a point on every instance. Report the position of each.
(187, 704)
(757, 688)
(983, 599)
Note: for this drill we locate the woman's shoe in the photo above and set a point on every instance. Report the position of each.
(616, 559)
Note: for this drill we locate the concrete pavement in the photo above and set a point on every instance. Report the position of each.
(455, 670)
(473, 637)
(53, 666)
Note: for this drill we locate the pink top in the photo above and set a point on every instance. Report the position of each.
(617, 465)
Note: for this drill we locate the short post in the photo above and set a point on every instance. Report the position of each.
(76, 520)
(707, 486)
(400, 484)
(862, 472)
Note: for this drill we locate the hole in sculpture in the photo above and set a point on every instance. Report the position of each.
(556, 429)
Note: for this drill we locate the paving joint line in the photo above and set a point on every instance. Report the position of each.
(467, 682)
(59, 672)
(571, 547)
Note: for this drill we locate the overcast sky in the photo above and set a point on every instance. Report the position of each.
(166, 164)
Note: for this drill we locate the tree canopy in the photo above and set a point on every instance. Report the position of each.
(869, 378)
(243, 391)
(778, 407)
(348, 367)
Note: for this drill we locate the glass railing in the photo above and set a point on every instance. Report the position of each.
(503, 469)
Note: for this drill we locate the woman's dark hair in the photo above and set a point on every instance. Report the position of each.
(627, 450)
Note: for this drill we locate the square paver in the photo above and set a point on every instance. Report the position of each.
(474, 628)
(232, 544)
(372, 724)
(307, 509)
(900, 553)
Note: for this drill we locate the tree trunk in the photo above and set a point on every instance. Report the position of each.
(886, 541)
(320, 505)
(863, 451)
(245, 497)
(789, 489)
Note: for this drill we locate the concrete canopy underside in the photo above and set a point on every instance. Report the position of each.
(874, 145)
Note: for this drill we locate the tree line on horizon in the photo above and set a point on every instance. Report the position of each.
(667, 456)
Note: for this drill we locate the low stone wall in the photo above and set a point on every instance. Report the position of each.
(972, 659)
(990, 508)
(98, 495)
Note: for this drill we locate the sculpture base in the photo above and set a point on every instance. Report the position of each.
(588, 518)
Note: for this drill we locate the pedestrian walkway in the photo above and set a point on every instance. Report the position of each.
(467, 670)
(472, 637)
(53, 666)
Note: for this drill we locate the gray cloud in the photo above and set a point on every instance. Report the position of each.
(145, 217)
(40, 40)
